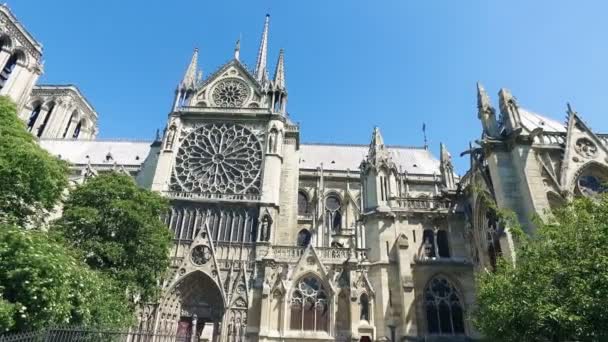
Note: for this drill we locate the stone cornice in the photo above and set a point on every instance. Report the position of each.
(64, 90)
(15, 29)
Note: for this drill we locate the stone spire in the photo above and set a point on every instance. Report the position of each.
(483, 100)
(191, 76)
(279, 73)
(509, 110)
(447, 168)
(377, 151)
(485, 112)
(237, 49)
(261, 73)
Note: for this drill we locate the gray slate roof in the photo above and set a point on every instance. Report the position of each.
(343, 157)
(131, 153)
(333, 157)
(531, 120)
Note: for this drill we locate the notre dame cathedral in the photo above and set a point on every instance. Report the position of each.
(279, 240)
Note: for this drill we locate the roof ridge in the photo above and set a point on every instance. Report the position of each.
(362, 145)
(101, 140)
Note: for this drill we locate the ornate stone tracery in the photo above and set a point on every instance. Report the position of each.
(230, 93)
(219, 158)
(586, 148)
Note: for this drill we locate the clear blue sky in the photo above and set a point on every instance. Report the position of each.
(350, 64)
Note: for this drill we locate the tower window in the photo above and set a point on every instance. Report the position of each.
(303, 208)
(9, 67)
(46, 120)
(77, 130)
(33, 117)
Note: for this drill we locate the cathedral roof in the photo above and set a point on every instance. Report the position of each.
(531, 120)
(349, 157)
(81, 152)
(415, 160)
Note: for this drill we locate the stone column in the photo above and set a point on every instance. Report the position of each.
(43, 113)
(193, 335)
(5, 54)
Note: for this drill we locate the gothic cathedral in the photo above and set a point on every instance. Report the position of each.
(279, 240)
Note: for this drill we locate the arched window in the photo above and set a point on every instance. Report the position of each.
(444, 310)
(428, 241)
(303, 209)
(592, 181)
(333, 214)
(77, 129)
(364, 302)
(442, 244)
(492, 236)
(33, 117)
(8, 69)
(303, 238)
(309, 306)
(67, 127)
(46, 119)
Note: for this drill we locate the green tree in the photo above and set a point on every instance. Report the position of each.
(31, 180)
(117, 225)
(44, 283)
(558, 288)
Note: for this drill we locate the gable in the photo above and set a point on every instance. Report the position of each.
(232, 86)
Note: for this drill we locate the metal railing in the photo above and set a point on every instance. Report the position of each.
(86, 334)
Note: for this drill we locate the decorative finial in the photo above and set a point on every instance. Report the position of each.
(426, 145)
(279, 73)
(237, 49)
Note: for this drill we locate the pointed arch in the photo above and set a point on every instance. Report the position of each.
(50, 107)
(333, 204)
(36, 109)
(7, 71)
(590, 179)
(310, 304)
(444, 307)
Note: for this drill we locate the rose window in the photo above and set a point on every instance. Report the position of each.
(230, 93)
(219, 158)
(200, 255)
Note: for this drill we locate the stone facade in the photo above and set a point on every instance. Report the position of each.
(279, 240)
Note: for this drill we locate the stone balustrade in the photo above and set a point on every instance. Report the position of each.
(423, 204)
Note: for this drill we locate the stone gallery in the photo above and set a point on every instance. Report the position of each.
(279, 240)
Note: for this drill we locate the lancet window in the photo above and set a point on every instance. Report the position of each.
(435, 244)
(333, 213)
(309, 306)
(444, 309)
(303, 238)
(226, 224)
(47, 117)
(364, 303)
(9, 68)
(303, 208)
(34, 116)
(67, 126)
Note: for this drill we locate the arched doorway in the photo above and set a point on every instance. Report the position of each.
(194, 306)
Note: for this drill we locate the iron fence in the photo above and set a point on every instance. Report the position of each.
(86, 334)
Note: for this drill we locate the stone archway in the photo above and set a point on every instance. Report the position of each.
(195, 306)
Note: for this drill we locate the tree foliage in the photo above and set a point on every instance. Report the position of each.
(43, 283)
(558, 289)
(31, 180)
(117, 225)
